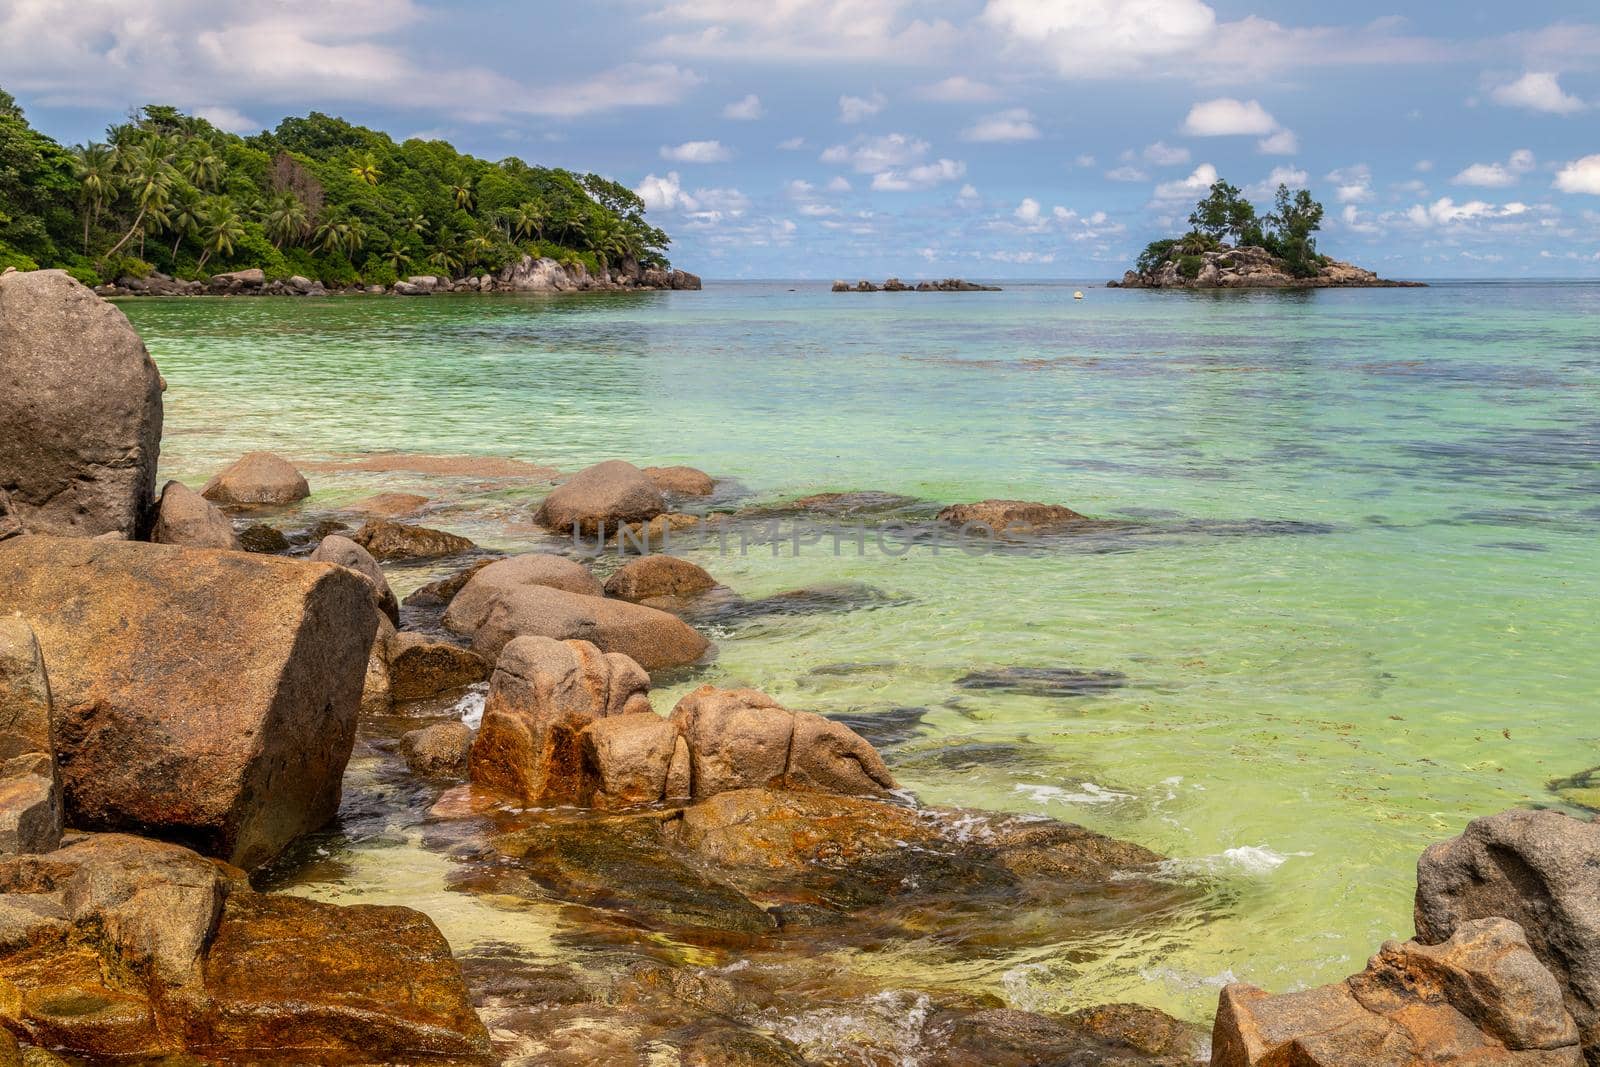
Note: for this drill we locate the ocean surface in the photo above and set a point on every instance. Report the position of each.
(1348, 601)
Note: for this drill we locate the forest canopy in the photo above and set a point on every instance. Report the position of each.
(1225, 214)
(317, 196)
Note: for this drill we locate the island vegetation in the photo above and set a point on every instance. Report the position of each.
(317, 197)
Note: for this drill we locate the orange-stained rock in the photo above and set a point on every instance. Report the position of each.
(633, 759)
(257, 478)
(652, 577)
(389, 505)
(1010, 516)
(541, 697)
(200, 695)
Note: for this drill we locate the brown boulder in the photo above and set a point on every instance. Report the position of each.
(684, 481)
(1011, 516)
(420, 667)
(639, 758)
(1481, 997)
(184, 517)
(397, 540)
(436, 595)
(80, 402)
(257, 478)
(30, 804)
(377, 697)
(440, 749)
(742, 739)
(653, 639)
(493, 581)
(655, 535)
(541, 697)
(144, 642)
(606, 494)
(10, 521)
(652, 577)
(344, 552)
(24, 691)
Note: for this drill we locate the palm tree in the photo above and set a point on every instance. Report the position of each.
(188, 213)
(149, 184)
(529, 217)
(417, 225)
(481, 244)
(365, 168)
(287, 220)
(95, 167)
(220, 228)
(398, 258)
(445, 261)
(572, 220)
(340, 234)
(202, 166)
(462, 191)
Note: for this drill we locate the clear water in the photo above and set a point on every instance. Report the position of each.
(1308, 705)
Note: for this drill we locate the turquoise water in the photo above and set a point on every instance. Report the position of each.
(1358, 611)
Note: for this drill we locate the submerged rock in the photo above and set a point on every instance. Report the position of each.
(1043, 681)
(655, 577)
(684, 481)
(81, 404)
(389, 505)
(184, 517)
(267, 540)
(1480, 997)
(607, 494)
(1010, 516)
(387, 539)
(200, 695)
(344, 552)
(440, 749)
(257, 478)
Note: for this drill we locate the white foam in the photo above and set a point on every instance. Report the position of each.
(1086, 793)
(469, 709)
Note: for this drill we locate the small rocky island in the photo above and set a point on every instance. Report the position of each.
(1231, 247)
(895, 285)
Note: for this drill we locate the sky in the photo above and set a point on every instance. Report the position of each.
(918, 138)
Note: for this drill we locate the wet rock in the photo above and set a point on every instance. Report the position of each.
(653, 639)
(1540, 869)
(184, 517)
(682, 481)
(435, 596)
(494, 581)
(420, 667)
(389, 505)
(741, 738)
(82, 410)
(267, 540)
(440, 749)
(826, 598)
(343, 552)
(854, 503)
(1119, 1034)
(387, 539)
(638, 758)
(1010, 516)
(606, 494)
(655, 535)
(542, 696)
(1043, 681)
(142, 640)
(1480, 997)
(654, 577)
(885, 728)
(257, 478)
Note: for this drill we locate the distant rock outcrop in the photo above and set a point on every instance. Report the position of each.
(1249, 268)
(895, 285)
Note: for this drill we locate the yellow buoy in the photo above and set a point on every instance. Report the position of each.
(1077, 294)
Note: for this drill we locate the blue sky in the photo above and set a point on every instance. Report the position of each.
(862, 138)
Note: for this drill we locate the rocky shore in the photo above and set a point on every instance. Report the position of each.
(895, 285)
(1250, 268)
(530, 275)
(199, 687)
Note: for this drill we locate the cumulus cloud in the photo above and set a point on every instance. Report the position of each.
(839, 184)
(959, 89)
(854, 109)
(697, 152)
(1267, 187)
(1194, 185)
(1227, 117)
(1352, 185)
(747, 109)
(226, 118)
(1282, 143)
(662, 193)
(871, 155)
(1164, 155)
(1446, 212)
(1127, 173)
(1028, 212)
(1537, 91)
(1497, 175)
(801, 30)
(1580, 176)
(925, 176)
(793, 144)
(1015, 124)
(1103, 37)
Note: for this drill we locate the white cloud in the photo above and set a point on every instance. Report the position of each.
(1282, 143)
(226, 118)
(1446, 212)
(839, 184)
(854, 109)
(747, 109)
(870, 155)
(1085, 160)
(1497, 175)
(1227, 117)
(958, 90)
(663, 194)
(1194, 185)
(968, 195)
(1537, 91)
(801, 30)
(1352, 185)
(1164, 155)
(1580, 176)
(793, 144)
(1103, 37)
(1267, 187)
(925, 176)
(1127, 174)
(1015, 124)
(1028, 211)
(697, 152)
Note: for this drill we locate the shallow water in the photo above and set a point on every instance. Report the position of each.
(1355, 609)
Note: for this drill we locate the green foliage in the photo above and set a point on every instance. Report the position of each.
(1196, 243)
(1285, 233)
(1155, 253)
(1224, 212)
(1295, 217)
(10, 257)
(1189, 266)
(317, 196)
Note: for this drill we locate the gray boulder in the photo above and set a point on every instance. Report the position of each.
(607, 495)
(257, 478)
(184, 517)
(346, 553)
(80, 403)
(470, 606)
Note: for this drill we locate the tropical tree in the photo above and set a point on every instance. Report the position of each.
(202, 166)
(416, 225)
(220, 227)
(149, 184)
(95, 168)
(287, 220)
(606, 239)
(365, 168)
(528, 219)
(399, 259)
(340, 233)
(1295, 217)
(445, 260)
(462, 192)
(1224, 212)
(186, 215)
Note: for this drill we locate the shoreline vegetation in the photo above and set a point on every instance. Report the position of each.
(1230, 246)
(738, 848)
(169, 204)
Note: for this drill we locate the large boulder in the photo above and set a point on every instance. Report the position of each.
(653, 639)
(1540, 869)
(683, 481)
(1480, 997)
(80, 403)
(387, 539)
(200, 695)
(605, 495)
(184, 517)
(657, 577)
(491, 582)
(633, 759)
(257, 478)
(743, 739)
(344, 552)
(421, 667)
(541, 697)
